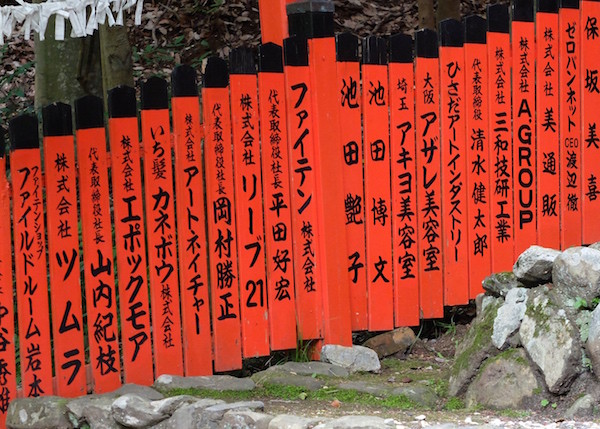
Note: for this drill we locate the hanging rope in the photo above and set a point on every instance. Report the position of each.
(83, 15)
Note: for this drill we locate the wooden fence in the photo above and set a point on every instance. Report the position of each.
(327, 192)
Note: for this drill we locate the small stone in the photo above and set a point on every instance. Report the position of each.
(216, 412)
(499, 284)
(288, 421)
(135, 412)
(356, 422)
(38, 413)
(577, 271)
(366, 387)
(136, 389)
(245, 419)
(582, 407)
(534, 265)
(391, 342)
(310, 368)
(336, 403)
(509, 316)
(188, 416)
(354, 359)
(286, 379)
(169, 405)
(420, 417)
(213, 382)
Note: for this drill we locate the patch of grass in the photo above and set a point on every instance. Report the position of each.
(453, 404)
(440, 386)
(514, 414)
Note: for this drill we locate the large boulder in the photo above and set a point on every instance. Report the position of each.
(593, 341)
(577, 272)
(534, 265)
(38, 413)
(551, 340)
(499, 284)
(508, 319)
(505, 381)
(391, 342)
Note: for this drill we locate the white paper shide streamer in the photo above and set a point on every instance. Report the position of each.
(83, 15)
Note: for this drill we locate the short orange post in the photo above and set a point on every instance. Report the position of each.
(30, 257)
(130, 235)
(478, 153)
(454, 163)
(569, 56)
(523, 111)
(96, 230)
(248, 203)
(547, 122)
(404, 185)
(63, 250)
(191, 221)
(500, 142)
(429, 215)
(222, 236)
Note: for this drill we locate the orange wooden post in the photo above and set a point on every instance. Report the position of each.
(429, 215)
(454, 163)
(96, 231)
(248, 203)
(30, 257)
(478, 152)
(276, 190)
(130, 235)
(376, 140)
(569, 36)
(317, 27)
(191, 221)
(8, 373)
(273, 21)
(547, 122)
(63, 250)
(160, 221)
(500, 142)
(590, 133)
(404, 187)
(349, 85)
(222, 235)
(523, 111)
(307, 255)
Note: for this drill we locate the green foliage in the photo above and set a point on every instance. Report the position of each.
(7, 98)
(453, 404)
(544, 403)
(580, 303)
(207, 7)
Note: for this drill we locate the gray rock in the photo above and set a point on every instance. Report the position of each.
(216, 412)
(509, 316)
(189, 416)
(473, 350)
(310, 368)
(288, 421)
(135, 412)
(500, 283)
(354, 359)
(355, 422)
(577, 272)
(505, 381)
(595, 246)
(136, 389)
(423, 396)
(213, 382)
(287, 379)
(551, 341)
(169, 405)
(593, 340)
(391, 342)
(95, 410)
(38, 413)
(380, 390)
(245, 419)
(534, 265)
(582, 407)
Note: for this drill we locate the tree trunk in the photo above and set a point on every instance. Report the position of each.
(448, 9)
(117, 62)
(426, 15)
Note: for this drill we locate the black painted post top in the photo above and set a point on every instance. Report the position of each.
(522, 10)
(155, 94)
(270, 58)
(401, 48)
(426, 44)
(121, 102)
(2, 143)
(548, 6)
(89, 112)
(498, 18)
(216, 73)
(374, 50)
(23, 132)
(184, 82)
(346, 46)
(452, 33)
(295, 51)
(311, 18)
(241, 61)
(569, 4)
(475, 29)
(57, 120)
